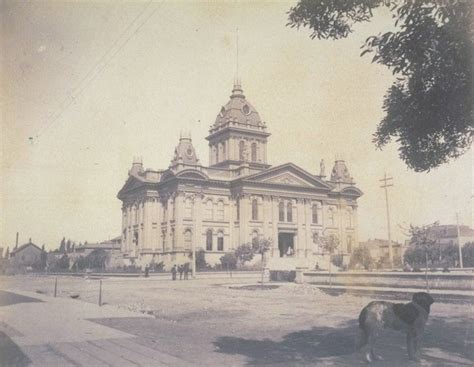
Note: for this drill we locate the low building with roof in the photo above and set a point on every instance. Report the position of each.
(26, 255)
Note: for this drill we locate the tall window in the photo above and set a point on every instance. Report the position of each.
(289, 212)
(255, 238)
(315, 213)
(242, 150)
(254, 152)
(165, 211)
(220, 210)
(209, 240)
(349, 218)
(209, 209)
(349, 244)
(188, 208)
(188, 235)
(237, 206)
(223, 151)
(281, 211)
(173, 237)
(220, 241)
(165, 242)
(254, 209)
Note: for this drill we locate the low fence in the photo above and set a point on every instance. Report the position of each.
(162, 275)
(440, 281)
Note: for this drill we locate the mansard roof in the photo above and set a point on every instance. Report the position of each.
(238, 109)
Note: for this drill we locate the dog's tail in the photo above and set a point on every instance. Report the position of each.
(363, 339)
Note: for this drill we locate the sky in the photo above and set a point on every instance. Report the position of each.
(94, 84)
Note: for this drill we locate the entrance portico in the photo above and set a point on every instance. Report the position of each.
(286, 244)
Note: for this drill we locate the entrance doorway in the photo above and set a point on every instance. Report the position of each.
(286, 244)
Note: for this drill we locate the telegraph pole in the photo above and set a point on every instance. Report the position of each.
(459, 242)
(387, 182)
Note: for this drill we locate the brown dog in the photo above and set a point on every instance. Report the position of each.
(410, 318)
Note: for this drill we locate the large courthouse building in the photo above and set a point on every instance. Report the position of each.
(237, 199)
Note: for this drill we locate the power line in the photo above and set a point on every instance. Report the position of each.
(387, 182)
(80, 87)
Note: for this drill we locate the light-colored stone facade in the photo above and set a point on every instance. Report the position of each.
(239, 197)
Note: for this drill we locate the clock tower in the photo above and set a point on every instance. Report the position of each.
(238, 135)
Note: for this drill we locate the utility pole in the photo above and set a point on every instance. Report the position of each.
(459, 242)
(388, 183)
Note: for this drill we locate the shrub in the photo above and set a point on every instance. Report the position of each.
(229, 261)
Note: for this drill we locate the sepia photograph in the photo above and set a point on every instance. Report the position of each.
(236, 183)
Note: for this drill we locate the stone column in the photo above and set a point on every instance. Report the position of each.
(274, 204)
(300, 217)
(308, 221)
(178, 221)
(169, 213)
(231, 216)
(244, 219)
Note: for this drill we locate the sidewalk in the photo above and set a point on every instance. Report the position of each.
(60, 332)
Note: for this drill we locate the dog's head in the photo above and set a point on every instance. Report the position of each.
(424, 300)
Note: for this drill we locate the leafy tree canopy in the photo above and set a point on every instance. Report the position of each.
(428, 109)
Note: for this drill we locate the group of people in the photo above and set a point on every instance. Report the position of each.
(183, 269)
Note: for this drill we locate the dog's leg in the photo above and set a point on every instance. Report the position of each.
(370, 353)
(412, 345)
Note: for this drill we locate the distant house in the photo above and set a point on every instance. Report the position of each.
(25, 255)
(379, 248)
(109, 246)
(447, 234)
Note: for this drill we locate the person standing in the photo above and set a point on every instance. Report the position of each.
(181, 269)
(186, 271)
(173, 272)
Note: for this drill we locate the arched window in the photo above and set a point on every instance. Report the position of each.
(241, 150)
(220, 210)
(254, 209)
(254, 152)
(281, 211)
(289, 212)
(217, 153)
(188, 208)
(209, 240)
(173, 237)
(209, 209)
(315, 213)
(220, 241)
(188, 235)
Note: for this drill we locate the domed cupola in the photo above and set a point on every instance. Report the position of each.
(238, 135)
(238, 111)
(340, 173)
(185, 153)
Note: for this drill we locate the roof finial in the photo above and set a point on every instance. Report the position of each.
(237, 79)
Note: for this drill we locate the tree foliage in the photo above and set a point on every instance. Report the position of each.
(329, 244)
(428, 109)
(361, 256)
(244, 253)
(229, 261)
(468, 255)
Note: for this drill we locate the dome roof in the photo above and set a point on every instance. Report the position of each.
(239, 110)
(340, 173)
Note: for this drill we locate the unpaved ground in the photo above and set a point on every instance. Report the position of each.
(213, 322)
